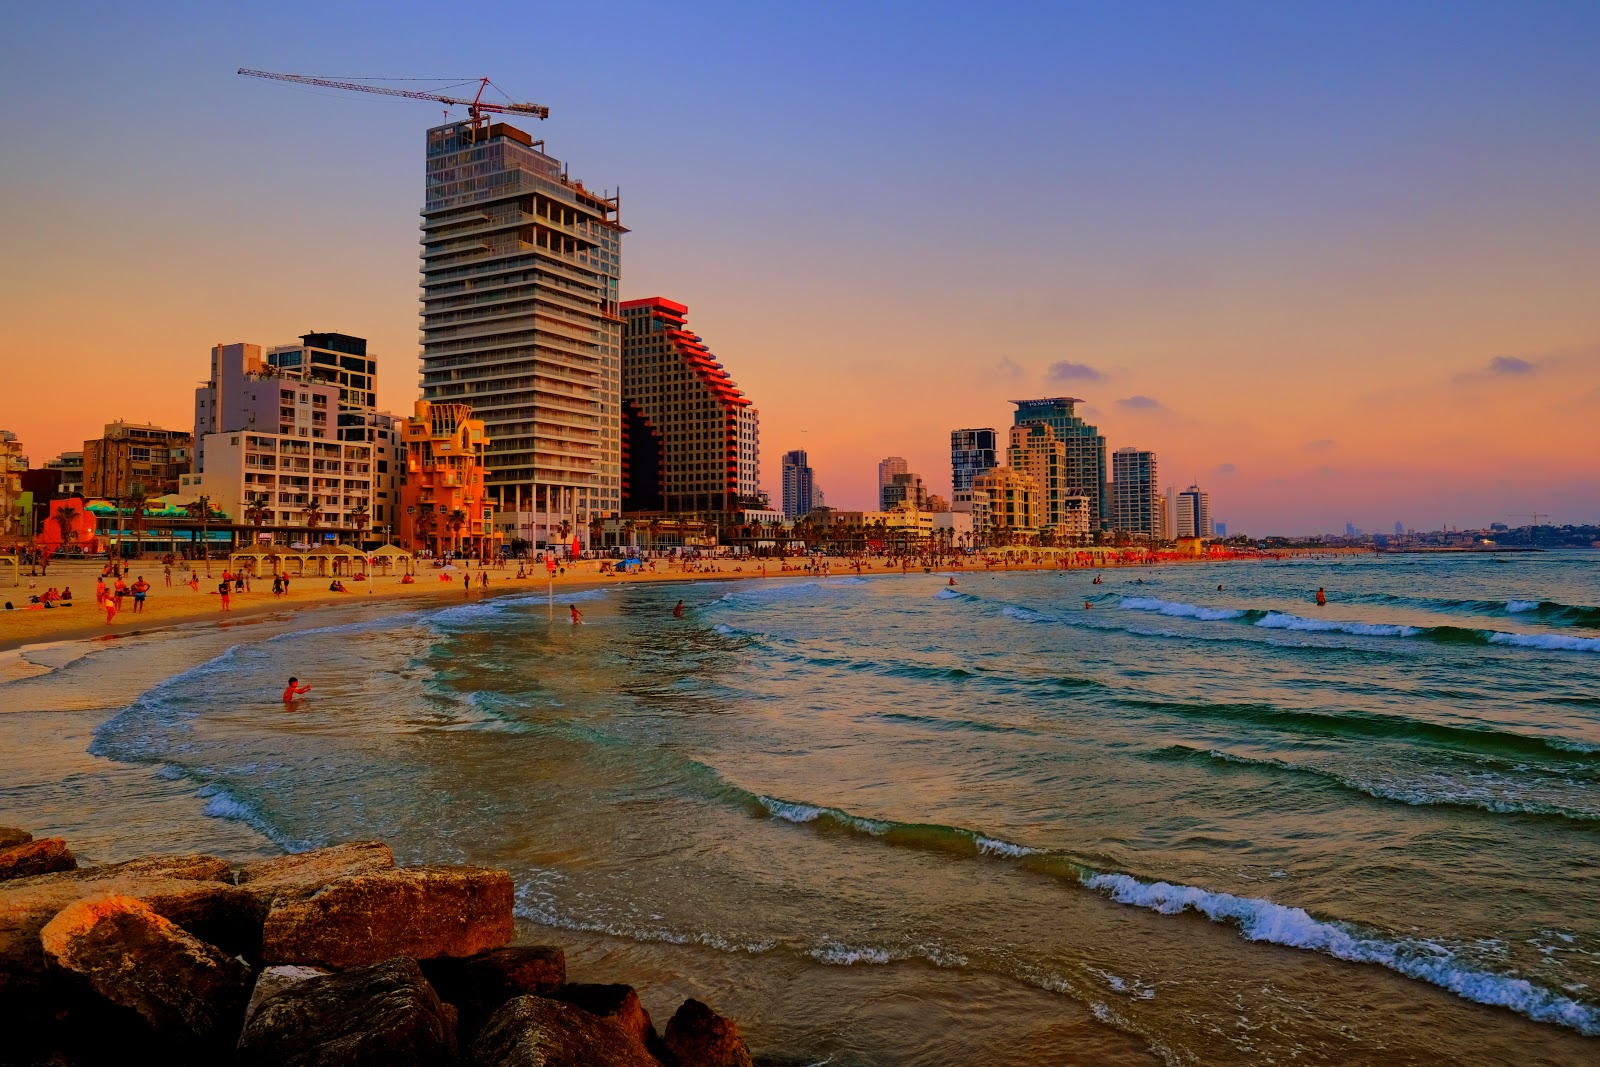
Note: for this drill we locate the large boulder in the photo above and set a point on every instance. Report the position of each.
(386, 1015)
(274, 980)
(217, 912)
(699, 1037)
(535, 1032)
(479, 984)
(184, 990)
(10, 835)
(35, 857)
(301, 874)
(420, 912)
(619, 1003)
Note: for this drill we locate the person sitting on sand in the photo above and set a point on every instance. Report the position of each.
(406, 579)
(66, 593)
(336, 586)
(294, 689)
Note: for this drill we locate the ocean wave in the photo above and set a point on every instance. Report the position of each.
(1358, 724)
(948, 593)
(1560, 642)
(1278, 620)
(221, 804)
(1021, 614)
(1257, 919)
(1180, 609)
(1479, 790)
(1425, 961)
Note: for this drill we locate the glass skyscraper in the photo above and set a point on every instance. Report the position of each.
(971, 453)
(1086, 449)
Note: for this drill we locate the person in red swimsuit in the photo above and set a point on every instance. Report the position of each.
(294, 689)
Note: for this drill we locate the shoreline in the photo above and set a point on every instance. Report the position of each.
(179, 608)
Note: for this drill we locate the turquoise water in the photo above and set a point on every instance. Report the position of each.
(1183, 823)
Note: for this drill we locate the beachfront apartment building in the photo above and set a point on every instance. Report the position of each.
(13, 466)
(1005, 507)
(270, 446)
(1064, 512)
(972, 452)
(903, 489)
(800, 494)
(1085, 449)
(1193, 519)
(336, 359)
(520, 273)
(70, 467)
(129, 454)
(1137, 506)
(444, 500)
(690, 437)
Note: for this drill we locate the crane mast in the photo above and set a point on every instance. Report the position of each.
(477, 107)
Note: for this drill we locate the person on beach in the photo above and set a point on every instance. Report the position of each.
(167, 572)
(1087, 606)
(952, 580)
(483, 580)
(119, 591)
(677, 612)
(294, 689)
(194, 582)
(140, 588)
(577, 616)
(1322, 598)
(224, 589)
(110, 604)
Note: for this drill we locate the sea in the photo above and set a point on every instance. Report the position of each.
(1183, 816)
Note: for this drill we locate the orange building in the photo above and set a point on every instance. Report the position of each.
(443, 501)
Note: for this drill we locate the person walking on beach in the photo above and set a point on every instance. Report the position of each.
(109, 602)
(194, 581)
(167, 571)
(224, 590)
(1322, 598)
(483, 580)
(577, 616)
(292, 690)
(140, 588)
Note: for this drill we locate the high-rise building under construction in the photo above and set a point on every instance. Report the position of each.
(520, 270)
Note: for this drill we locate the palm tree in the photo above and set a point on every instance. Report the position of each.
(256, 512)
(201, 507)
(313, 513)
(456, 520)
(64, 518)
(565, 530)
(138, 499)
(427, 523)
(359, 518)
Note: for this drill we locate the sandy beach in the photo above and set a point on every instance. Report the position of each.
(179, 605)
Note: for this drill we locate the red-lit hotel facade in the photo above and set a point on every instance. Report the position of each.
(689, 436)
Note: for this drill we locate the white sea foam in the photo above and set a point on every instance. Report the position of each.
(1179, 609)
(846, 955)
(804, 813)
(1011, 611)
(1279, 620)
(1516, 606)
(1552, 641)
(949, 594)
(995, 847)
(1262, 920)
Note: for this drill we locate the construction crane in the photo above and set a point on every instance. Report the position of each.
(477, 107)
(1535, 516)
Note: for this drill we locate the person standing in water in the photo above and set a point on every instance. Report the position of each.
(1322, 598)
(294, 689)
(677, 612)
(577, 616)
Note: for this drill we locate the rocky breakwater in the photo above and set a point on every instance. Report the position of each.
(335, 957)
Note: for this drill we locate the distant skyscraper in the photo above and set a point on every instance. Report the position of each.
(799, 485)
(1350, 529)
(690, 433)
(888, 467)
(1136, 502)
(1086, 449)
(520, 267)
(971, 453)
(1061, 510)
(1222, 529)
(1399, 530)
(1194, 513)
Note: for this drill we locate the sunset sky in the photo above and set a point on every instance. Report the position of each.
(1337, 264)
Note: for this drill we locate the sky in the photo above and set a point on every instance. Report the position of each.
(1333, 262)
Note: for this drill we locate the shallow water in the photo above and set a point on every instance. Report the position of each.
(890, 821)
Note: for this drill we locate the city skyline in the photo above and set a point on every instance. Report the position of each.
(1313, 286)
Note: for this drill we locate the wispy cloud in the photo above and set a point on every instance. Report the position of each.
(1226, 469)
(1511, 365)
(1140, 403)
(1073, 372)
(1009, 369)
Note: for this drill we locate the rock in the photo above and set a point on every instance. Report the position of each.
(196, 868)
(303, 873)
(699, 1037)
(478, 985)
(386, 1015)
(535, 1032)
(184, 989)
(420, 912)
(10, 835)
(274, 980)
(619, 1003)
(35, 857)
(217, 912)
